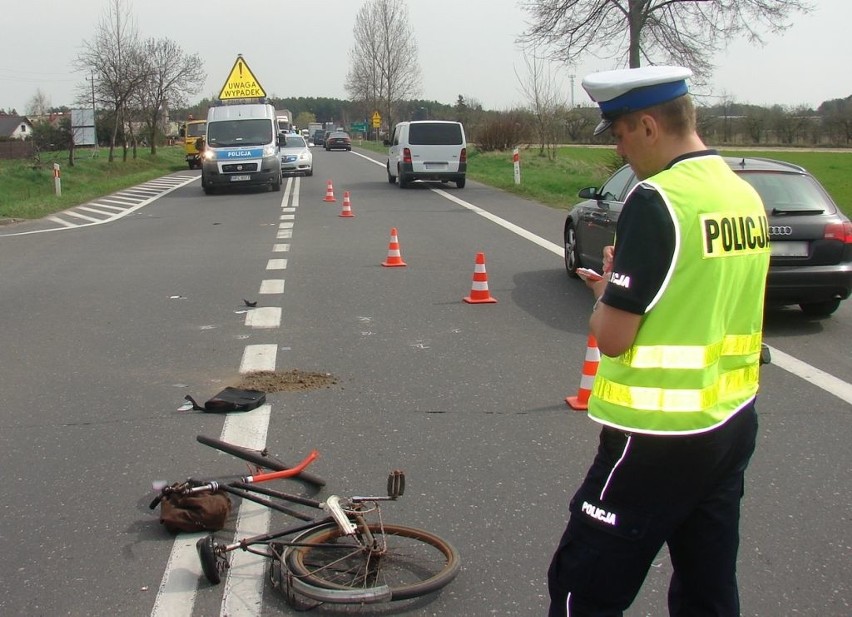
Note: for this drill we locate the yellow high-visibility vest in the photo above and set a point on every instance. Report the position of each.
(695, 358)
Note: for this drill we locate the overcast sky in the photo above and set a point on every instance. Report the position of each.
(466, 47)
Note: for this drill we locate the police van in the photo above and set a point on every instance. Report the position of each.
(241, 147)
(427, 150)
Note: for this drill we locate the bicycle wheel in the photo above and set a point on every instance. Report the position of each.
(411, 562)
(258, 457)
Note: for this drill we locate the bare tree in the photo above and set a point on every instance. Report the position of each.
(547, 100)
(115, 59)
(171, 77)
(39, 104)
(383, 61)
(683, 32)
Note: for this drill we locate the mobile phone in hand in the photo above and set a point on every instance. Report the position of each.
(589, 274)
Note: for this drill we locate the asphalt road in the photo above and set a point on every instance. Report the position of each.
(107, 326)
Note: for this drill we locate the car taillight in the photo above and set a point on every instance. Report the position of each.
(406, 155)
(839, 231)
(463, 156)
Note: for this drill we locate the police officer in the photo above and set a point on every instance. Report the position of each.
(678, 321)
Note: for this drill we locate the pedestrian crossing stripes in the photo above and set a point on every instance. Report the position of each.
(108, 208)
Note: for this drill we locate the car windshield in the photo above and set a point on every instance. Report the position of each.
(295, 141)
(196, 129)
(788, 193)
(249, 132)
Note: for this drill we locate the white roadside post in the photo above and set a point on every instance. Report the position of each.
(516, 160)
(57, 181)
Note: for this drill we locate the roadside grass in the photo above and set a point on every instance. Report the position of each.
(556, 182)
(27, 188)
(27, 192)
(832, 169)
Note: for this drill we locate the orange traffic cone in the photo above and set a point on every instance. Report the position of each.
(394, 259)
(347, 206)
(479, 293)
(590, 369)
(329, 192)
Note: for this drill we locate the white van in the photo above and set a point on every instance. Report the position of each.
(427, 150)
(241, 147)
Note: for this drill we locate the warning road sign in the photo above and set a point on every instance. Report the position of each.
(241, 83)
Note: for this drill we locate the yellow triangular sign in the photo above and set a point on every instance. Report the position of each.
(241, 83)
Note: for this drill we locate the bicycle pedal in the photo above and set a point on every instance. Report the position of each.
(396, 484)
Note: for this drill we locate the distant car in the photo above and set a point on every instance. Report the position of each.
(295, 155)
(811, 239)
(318, 138)
(338, 140)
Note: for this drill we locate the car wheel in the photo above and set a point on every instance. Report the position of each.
(572, 260)
(403, 181)
(460, 183)
(391, 178)
(310, 172)
(820, 309)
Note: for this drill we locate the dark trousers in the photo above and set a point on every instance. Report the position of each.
(640, 492)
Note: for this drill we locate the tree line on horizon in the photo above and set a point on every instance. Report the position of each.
(384, 75)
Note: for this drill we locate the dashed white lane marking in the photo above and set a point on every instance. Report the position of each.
(176, 595)
(272, 286)
(258, 358)
(244, 582)
(264, 317)
(243, 591)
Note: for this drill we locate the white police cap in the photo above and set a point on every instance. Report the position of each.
(626, 90)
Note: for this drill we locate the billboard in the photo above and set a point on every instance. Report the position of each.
(83, 127)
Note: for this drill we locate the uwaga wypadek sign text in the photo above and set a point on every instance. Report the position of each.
(241, 83)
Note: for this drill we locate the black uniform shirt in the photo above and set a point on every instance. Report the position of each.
(644, 249)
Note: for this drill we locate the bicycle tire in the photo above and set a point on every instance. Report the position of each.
(206, 547)
(415, 562)
(257, 457)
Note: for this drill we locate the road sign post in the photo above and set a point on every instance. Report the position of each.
(516, 161)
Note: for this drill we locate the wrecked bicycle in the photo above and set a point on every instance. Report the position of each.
(342, 552)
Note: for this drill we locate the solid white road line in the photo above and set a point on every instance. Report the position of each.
(820, 379)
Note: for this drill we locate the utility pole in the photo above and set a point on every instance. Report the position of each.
(94, 123)
(571, 77)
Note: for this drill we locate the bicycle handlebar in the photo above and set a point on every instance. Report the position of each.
(286, 473)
